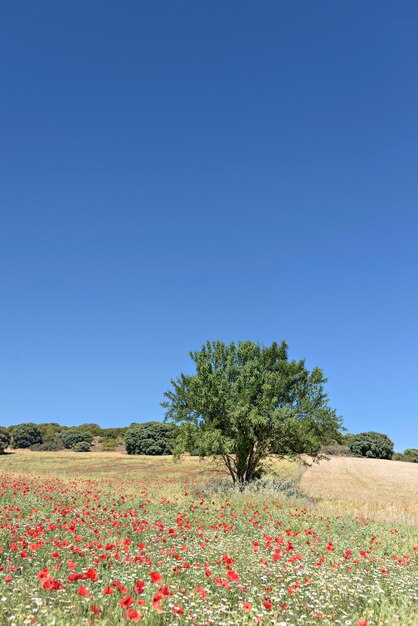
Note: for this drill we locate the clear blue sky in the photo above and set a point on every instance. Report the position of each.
(173, 172)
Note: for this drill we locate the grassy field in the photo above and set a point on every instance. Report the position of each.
(104, 538)
(378, 489)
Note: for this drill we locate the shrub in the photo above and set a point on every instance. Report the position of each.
(50, 445)
(114, 433)
(372, 445)
(50, 430)
(151, 438)
(264, 486)
(26, 435)
(5, 439)
(109, 444)
(94, 429)
(72, 436)
(336, 449)
(411, 455)
(82, 446)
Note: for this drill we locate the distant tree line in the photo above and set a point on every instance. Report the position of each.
(371, 445)
(160, 438)
(52, 436)
(149, 438)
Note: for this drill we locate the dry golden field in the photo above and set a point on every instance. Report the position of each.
(385, 490)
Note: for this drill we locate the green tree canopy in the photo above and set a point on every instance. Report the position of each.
(411, 455)
(372, 445)
(5, 439)
(26, 435)
(151, 438)
(73, 436)
(247, 401)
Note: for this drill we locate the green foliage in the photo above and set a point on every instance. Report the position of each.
(151, 438)
(347, 439)
(82, 446)
(5, 439)
(93, 429)
(54, 436)
(336, 449)
(247, 401)
(72, 436)
(411, 455)
(114, 433)
(26, 435)
(50, 433)
(372, 445)
(50, 445)
(109, 444)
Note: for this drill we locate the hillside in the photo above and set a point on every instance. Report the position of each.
(371, 487)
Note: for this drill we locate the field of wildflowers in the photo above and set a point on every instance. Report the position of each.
(80, 549)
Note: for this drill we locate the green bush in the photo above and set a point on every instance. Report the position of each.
(26, 435)
(372, 445)
(72, 436)
(5, 439)
(109, 444)
(82, 446)
(50, 430)
(411, 455)
(94, 429)
(114, 433)
(151, 438)
(50, 445)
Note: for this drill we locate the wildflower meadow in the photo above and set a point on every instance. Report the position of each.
(82, 545)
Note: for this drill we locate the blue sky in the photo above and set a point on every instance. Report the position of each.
(172, 172)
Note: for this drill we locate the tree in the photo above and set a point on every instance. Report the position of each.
(73, 436)
(26, 435)
(5, 439)
(372, 445)
(247, 401)
(151, 438)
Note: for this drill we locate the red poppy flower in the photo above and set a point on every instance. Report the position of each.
(155, 577)
(82, 591)
(202, 593)
(139, 586)
(43, 573)
(92, 575)
(134, 615)
(126, 601)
